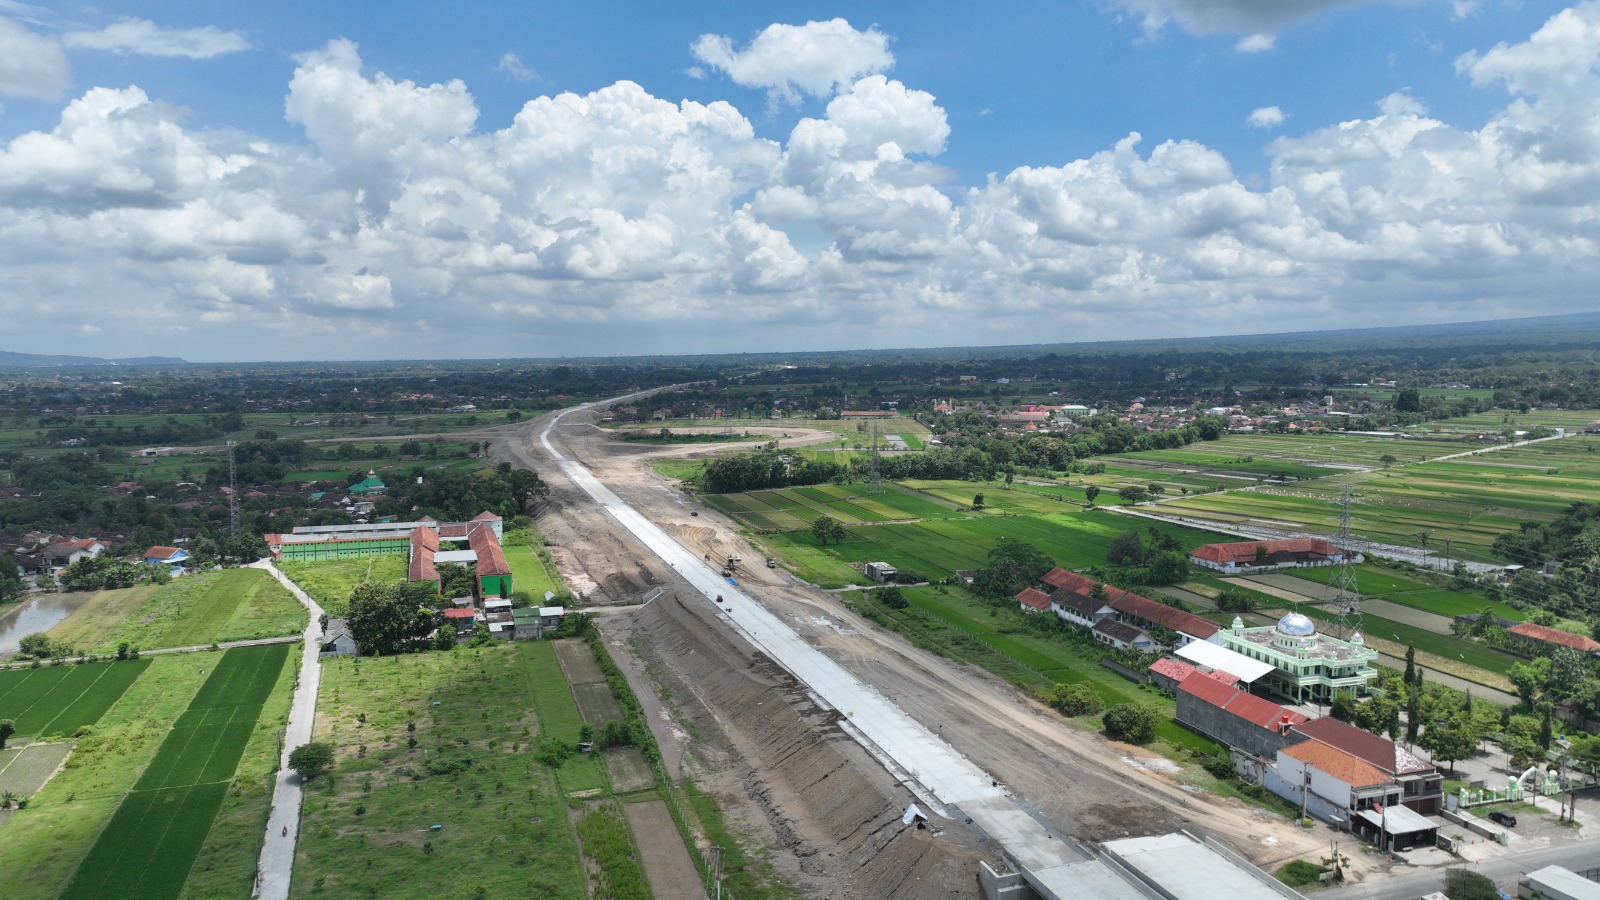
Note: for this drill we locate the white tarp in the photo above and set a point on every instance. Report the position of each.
(1221, 658)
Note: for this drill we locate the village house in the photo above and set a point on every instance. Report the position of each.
(1542, 637)
(1421, 785)
(1253, 556)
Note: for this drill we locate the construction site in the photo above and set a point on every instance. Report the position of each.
(864, 766)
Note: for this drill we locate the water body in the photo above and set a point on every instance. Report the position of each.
(38, 613)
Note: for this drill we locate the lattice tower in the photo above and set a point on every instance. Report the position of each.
(874, 475)
(1346, 594)
(233, 493)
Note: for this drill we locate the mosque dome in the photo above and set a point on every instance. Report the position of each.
(1296, 625)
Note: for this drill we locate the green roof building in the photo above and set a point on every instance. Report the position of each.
(1306, 665)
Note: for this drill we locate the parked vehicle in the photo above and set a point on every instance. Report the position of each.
(1503, 818)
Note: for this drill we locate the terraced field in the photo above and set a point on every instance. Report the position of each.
(58, 700)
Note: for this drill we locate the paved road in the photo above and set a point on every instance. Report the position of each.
(276, 864)
(1503, 871)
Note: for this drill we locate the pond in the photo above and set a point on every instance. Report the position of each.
(40, 612)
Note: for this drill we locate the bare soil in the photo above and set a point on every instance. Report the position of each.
(830, 813)
(666, 862)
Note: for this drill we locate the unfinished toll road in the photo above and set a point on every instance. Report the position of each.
(1084, 786)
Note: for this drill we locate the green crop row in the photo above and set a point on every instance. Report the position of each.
(58, 700)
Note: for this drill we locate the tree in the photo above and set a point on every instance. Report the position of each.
(1408, 400)
(1531, 678)
(977, 501)
(1167, 568)
(1013, 565)
(1411, 665)
(1344, 706)
(1465, 884)
(1388, 459)
(1450, 739)
(7, 729)
(890, 597)
(1413, 714)
(388, 618)
(1091, 492)
(1132, 722)
(1133, 495)
(11, 586)
(1127, 549)
(310, 760)
(1080, 699)
(828, 530)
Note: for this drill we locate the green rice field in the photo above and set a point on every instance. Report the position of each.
(150, 843)
(797, 507)
(1462, 504)
(197, 609)
(58, 700)
(1376, 580)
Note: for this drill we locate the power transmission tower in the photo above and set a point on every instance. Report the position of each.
(233, 493)
(1346, 599)
(874, 476)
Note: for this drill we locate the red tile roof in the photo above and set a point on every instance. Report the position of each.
(1164, 615)
(1247, 706)
(1336, 762)
(1034, 599)
(1072, 581)
(161, 552)
(462, 613)
(424, 544)
(1381, 752)
(491, 559)
(1554, 636)
(487, 516)
(1177, 670)
(1245, 551)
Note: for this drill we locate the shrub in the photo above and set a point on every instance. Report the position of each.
(1132, 722)
(1079, 699)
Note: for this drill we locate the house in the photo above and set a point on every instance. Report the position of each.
(1147, 613)
(369, 485)
(1122, 636)
(1081, 610)
(65, 553)
(1033, 600)
(880, 571)
(1234, 718)
(1421, 785)
(1167, 673)
(1331, 783)
(1542, 637)
(336, 639)
(166, 556)
(462, 619)
(1250, 556)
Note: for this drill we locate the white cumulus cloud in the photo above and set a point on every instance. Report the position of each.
(619, 213)
(511, 65)
(1265, 117)
(145, 38)
(789, 60)
(31, 65)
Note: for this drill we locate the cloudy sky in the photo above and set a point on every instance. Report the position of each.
(297, 180)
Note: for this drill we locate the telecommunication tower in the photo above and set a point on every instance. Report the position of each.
(1345, 590)
(233, 493)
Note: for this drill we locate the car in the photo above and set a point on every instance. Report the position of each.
(1503, 818)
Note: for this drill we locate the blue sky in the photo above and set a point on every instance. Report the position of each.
(238, 181)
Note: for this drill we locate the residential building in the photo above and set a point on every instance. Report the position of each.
(1122, 636)
(172, 557)
(880, 571)
(337, 640)
(64, 553)
(1420, 783)
(1308, 666)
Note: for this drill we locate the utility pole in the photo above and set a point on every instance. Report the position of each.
(233, 493)
(717, 875)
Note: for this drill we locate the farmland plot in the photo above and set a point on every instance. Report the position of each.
(62, 699)
(152, 840)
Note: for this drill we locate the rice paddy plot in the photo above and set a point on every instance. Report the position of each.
(152, 840)
(61, 699)
(24, 770)
(1380, 581)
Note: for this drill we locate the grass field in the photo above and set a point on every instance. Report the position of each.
(44, 843)
(952, 622)
(330, 583)
(937, 549)
(474, 770)
(151, 842)
(528, 571)
(59, 700)
(231, 605)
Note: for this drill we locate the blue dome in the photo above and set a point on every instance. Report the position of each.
(1296, 625)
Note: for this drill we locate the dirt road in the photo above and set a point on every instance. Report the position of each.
(804, 789)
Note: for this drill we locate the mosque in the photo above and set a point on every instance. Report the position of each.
(1307, 666)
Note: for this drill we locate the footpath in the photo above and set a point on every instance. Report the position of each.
(276, 865)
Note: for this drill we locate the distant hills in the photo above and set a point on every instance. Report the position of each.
(12, 360)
